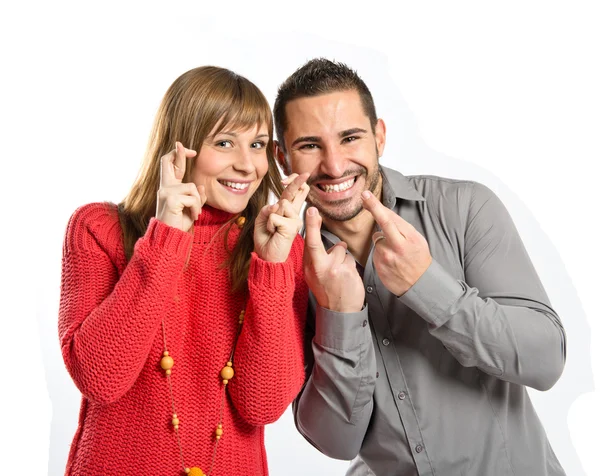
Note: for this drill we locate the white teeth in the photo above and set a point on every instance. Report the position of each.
(236, 185)
(338, 187)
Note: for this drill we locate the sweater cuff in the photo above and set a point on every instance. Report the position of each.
(271, 275)
(433, 295)
(342, 330)
(161, 235)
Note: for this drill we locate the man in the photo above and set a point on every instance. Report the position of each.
(427, 319)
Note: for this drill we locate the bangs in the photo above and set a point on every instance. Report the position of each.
(246, 109)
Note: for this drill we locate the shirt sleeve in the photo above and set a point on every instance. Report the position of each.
(107, 322)
(334, 408)
(499, 318)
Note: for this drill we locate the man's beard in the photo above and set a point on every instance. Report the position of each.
(337, 210)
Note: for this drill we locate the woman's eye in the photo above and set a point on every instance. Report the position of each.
(224, 143)
(258, 144)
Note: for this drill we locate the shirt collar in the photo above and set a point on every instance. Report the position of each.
(396, 185)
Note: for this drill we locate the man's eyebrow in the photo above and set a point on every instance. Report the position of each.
(349, 132)
(306, 139)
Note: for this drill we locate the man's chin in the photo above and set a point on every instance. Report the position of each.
(342, 210)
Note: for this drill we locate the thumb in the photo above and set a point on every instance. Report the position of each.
(313, 242)
(202, 193)
(263, 215)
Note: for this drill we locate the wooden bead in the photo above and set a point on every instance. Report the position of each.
(240, 221)
(227, 372)
(194, 471)
(166, 362)
(175, 421)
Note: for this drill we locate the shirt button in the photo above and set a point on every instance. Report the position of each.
(402, 395)
(365, 323)
(418, 448)
(369, 289)
(377, 375)
(386, 342)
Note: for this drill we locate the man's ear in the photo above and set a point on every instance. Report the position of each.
(280, 157)
(380, 130)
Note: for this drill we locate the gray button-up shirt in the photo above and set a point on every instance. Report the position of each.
(433, 382)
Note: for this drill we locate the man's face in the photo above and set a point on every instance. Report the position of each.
(331, 137)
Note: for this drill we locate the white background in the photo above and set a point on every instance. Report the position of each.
(503, 93)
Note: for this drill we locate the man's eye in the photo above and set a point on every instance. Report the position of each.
(350, 139)
(309, 146)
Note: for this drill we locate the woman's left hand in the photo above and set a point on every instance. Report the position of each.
(277, 225)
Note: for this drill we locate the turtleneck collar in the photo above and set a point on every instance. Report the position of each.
(213, 216)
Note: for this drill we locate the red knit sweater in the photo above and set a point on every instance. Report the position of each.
(112, 343)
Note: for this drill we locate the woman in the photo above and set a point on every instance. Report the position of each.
(182, 309)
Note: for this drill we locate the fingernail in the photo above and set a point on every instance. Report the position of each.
(311, 211)
(366, 195)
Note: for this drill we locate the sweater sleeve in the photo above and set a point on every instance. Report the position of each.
(269, 358)
(107, 322)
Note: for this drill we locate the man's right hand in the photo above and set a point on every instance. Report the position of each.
(331, 275)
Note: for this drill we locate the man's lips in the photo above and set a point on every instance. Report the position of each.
(334, 186)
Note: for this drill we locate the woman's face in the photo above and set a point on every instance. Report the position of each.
(231, 165)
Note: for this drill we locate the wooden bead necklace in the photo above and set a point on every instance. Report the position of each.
(226, 374)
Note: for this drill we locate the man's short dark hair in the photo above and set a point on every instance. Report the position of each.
(320, 76)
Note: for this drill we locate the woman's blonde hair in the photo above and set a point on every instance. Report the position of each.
(194, 104)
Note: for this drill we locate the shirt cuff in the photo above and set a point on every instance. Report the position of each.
(341, 330)
(434, 294)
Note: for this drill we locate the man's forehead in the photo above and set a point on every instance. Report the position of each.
(333, 112)
(332, 100)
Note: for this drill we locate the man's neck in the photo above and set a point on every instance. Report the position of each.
(356, 233)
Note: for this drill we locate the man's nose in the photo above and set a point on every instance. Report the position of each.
(334, 162)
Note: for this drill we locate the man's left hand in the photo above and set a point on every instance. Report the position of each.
(401, 253)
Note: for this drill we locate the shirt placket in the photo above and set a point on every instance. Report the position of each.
(385, 345)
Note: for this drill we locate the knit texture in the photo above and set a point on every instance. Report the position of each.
(111, 340)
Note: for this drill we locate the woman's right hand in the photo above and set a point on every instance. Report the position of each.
(178, 204)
